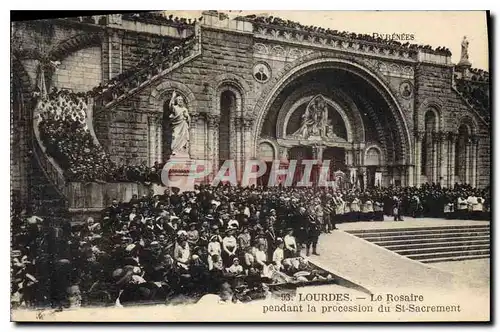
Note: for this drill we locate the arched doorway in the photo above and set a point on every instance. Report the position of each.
(371, 109)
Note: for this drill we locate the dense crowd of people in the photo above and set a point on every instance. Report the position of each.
(67, 139)
(276, 21)
(179, 246)
(151, 64)
(160, 18)
(145, 17)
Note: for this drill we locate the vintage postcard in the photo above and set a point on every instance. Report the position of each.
(251, 166)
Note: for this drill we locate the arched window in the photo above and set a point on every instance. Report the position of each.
(227, 107)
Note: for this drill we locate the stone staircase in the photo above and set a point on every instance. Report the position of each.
(432, 244)
(142, 76)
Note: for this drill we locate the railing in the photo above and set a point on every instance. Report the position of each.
(143, 76)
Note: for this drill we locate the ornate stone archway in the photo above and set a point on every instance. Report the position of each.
(318, 62)
(402, 153)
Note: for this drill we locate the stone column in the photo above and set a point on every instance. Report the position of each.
(213, 121)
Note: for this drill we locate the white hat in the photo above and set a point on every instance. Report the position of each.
(130, 247)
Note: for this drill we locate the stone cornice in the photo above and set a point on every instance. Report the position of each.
(364, 48)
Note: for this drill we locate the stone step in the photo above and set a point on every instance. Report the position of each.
(396, 232)
(415, 251)
(384, 238)
(432, 240)
(364, 231)
(448, 254)
(467, 242)
(456, 258)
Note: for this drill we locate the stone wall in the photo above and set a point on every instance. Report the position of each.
(433, 90)
(81, 71)
(124, 129)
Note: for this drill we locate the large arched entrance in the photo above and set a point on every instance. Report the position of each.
(336, 110)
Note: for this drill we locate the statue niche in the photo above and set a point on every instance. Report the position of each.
(176, 122)
(318, 122)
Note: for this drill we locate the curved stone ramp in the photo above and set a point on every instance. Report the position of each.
(377, 269)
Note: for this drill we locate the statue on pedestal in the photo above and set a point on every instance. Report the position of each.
(464, 55)
(465, 49)
(179, 122)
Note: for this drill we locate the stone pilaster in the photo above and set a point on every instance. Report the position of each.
(152, 139)
(192, 134)
(419, 136)
(114, 50)
(212, 156)
(248, 124)
(159, 140)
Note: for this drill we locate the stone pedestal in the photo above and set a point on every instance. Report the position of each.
(179, 172)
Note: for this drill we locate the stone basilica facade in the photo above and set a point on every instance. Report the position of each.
(383, 114)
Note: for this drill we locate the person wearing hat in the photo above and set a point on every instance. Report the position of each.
(396, 209)
(182, 253)
(213, 248)
(229, 247)
(313, 231)
(260, 239)
(216, 231)
(279, 254)
(260, 256)
(235, 268)
(270, 235)
(244, 239)
(193, 235)
(233, 224)
(291, 249)
(203, 239)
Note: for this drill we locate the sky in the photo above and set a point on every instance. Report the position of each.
(435, 28)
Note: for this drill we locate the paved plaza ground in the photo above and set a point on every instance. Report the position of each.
(476, 272)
